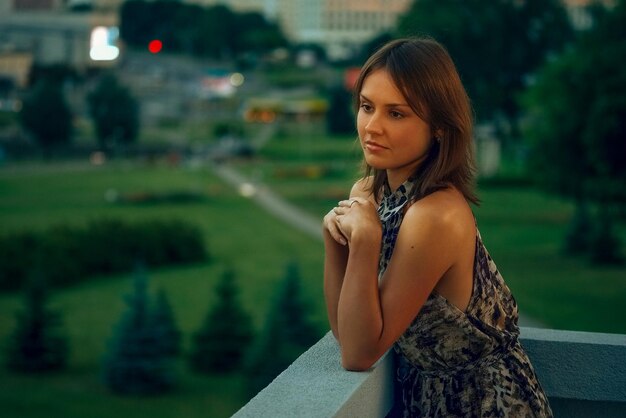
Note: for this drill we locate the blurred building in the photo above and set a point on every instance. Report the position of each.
(45, 32)
(341, 26)
(53, 34)
(15, 66)
(34, 4)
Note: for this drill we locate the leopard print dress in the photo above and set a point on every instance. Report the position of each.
(452, 363)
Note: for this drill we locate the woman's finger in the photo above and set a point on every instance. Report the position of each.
(331, 224)
(335, 232)
(347, 203)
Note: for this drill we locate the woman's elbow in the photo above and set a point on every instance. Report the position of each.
(356, 363)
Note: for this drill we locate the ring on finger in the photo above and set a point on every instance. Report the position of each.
(352, 202)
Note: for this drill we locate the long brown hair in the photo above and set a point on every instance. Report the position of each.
(425, 74)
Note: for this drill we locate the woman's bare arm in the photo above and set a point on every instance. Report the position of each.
(372, 316)
(336, 252)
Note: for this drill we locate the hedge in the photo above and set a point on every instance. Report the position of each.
(70, 254)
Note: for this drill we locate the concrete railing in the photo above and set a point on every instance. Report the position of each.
(583, 374)
(316, 385)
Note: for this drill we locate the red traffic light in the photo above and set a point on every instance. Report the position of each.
(155, 46)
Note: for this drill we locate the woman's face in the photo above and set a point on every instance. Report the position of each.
(392, 136)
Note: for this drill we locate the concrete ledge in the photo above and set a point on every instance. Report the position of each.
(583, 374)
(316, 385)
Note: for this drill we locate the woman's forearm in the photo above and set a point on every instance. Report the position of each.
(359, 313)
(335, 260)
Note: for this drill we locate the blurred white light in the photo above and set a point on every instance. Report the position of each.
(103, 43)
(236, 79)
(247, 190)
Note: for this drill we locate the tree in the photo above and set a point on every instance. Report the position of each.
(214, 31)
(164, 323)
(374, 44)
(218, 32)
(219, 345)
(577, 127)
(115, 112)
(136, 363)
(257, 34)
(38, 343)
(496, 45)
(46, 115)
(142, 21)
(339, 118)
(287, 333)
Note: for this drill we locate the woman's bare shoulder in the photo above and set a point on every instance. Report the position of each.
(446, 210)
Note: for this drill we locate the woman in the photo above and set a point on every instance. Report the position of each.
(405, 266)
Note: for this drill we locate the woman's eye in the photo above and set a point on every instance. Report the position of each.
(366, 107)
(396, 115)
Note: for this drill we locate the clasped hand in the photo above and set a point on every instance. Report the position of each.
(356, 215)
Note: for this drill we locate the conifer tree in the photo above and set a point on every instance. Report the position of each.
(38, 343)
(219, 345)
(164, 322)
(287, 333)
(136, 363)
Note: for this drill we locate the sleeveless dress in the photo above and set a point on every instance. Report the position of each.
(452, 363)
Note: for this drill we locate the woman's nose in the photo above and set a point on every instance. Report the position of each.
(373, 124)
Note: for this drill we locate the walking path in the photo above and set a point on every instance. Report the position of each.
(271, 202)
(293, 215)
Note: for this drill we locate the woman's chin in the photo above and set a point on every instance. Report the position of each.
(376, 163)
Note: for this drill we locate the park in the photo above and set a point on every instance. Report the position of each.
(132, 159)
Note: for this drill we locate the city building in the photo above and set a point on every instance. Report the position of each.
(46, 32)
(343, 25)
(15, 66)
(340, 26)
(52, 34)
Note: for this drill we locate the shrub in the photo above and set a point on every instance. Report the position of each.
(219, 345)
(287, 333)
(46, 115)
(69, 254)
(604, 244)
(17, 255)
(37, 343)
(138, 362)
(164, 322)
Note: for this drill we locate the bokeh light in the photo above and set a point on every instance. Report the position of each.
(155, 46)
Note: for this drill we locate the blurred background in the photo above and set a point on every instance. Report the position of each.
(165, 165)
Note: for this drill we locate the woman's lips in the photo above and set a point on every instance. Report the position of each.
(373, 146)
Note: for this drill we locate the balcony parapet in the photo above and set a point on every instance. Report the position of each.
(583, 374)
(316, 385)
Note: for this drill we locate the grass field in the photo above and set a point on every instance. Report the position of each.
(521, 227)
(237, 233)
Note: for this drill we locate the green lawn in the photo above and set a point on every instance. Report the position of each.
(237, 233)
